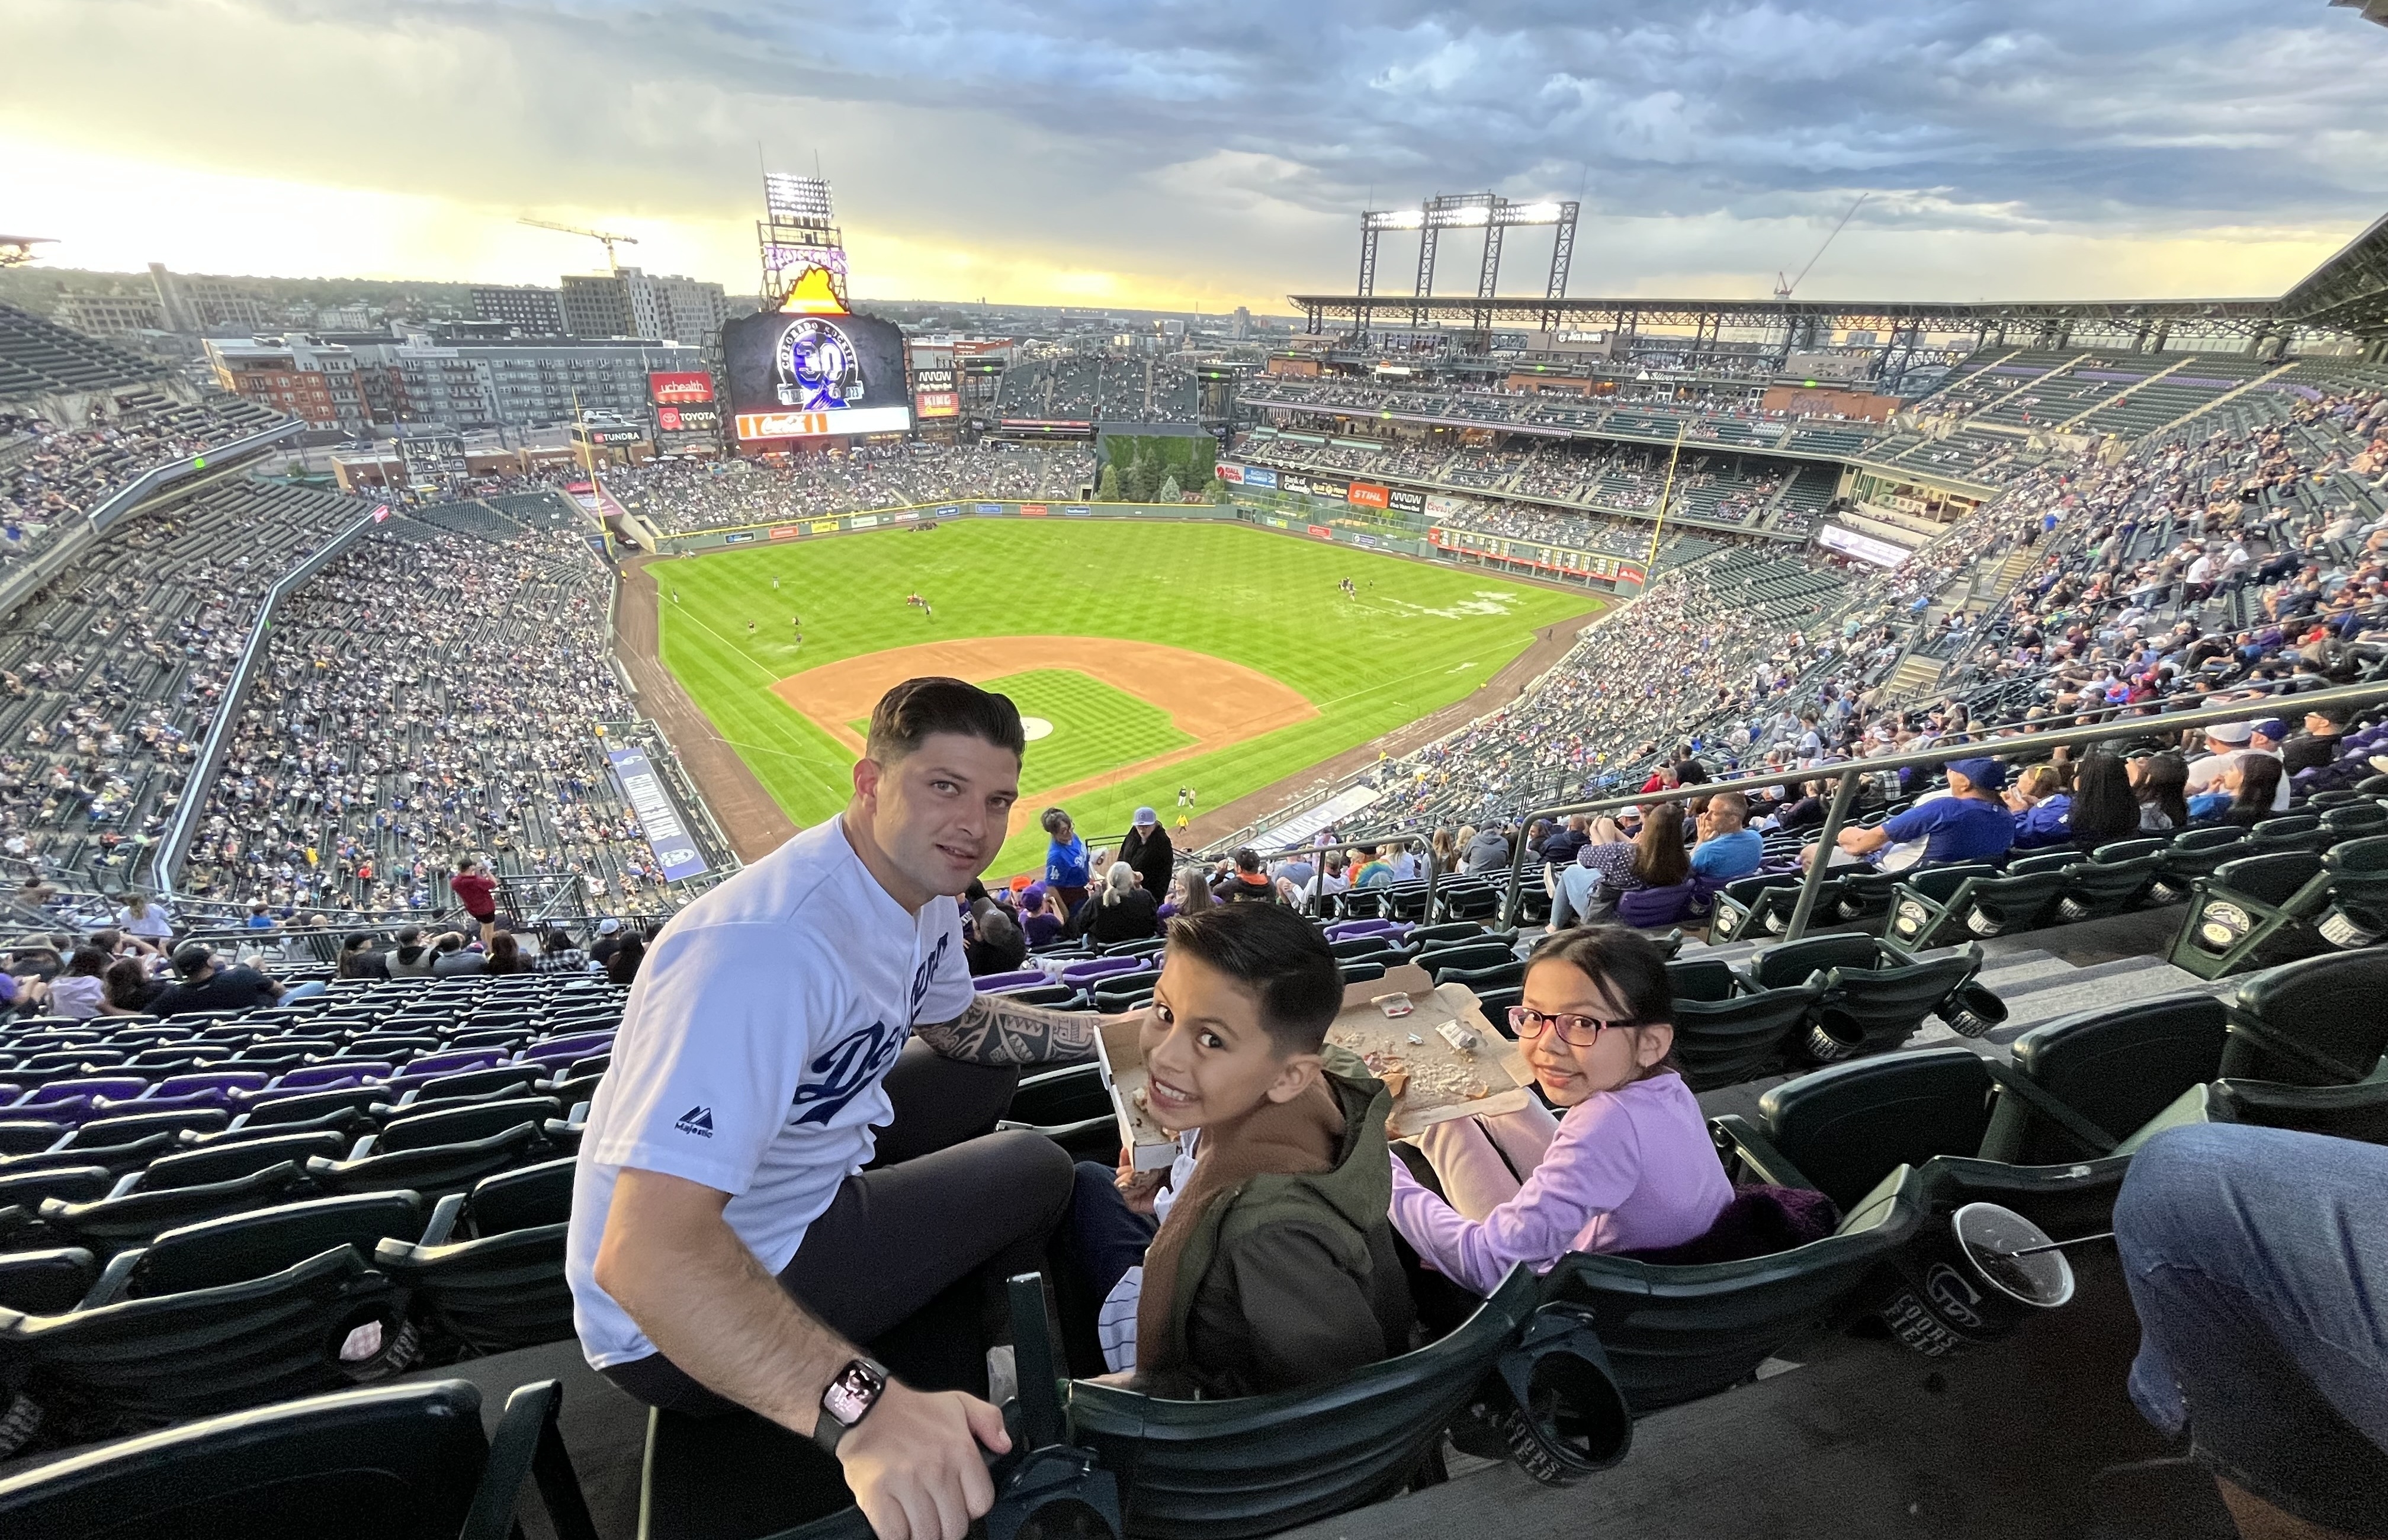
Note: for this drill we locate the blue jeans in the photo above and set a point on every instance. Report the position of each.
(2258, 1261)
(1104, 1238)
(305, 991)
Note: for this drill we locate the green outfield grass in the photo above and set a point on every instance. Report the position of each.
(1417, 638)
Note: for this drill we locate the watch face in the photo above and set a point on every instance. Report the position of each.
(850, 1394)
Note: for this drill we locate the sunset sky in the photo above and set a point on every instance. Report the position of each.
(1179, 155)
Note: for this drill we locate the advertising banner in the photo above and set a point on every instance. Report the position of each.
(1259, 476)
(738, 538)
(1228, 470)
(863, 521)
(1333, 488)
(1865, 548)
(1440, 506)
(1363, 495)
(949, 510)
(1076, 510)
(688, 388)
(990, 509)
(1032, 510)
(933, 394)
(658, 820)
(1321, 531)
(1403, 500)
(795, 377)
(824, 526)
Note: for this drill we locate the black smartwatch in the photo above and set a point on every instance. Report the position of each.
(851, 1392)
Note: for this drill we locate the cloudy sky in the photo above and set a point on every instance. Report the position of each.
(1178, 154)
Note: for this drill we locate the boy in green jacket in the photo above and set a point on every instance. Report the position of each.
(1262, 1259)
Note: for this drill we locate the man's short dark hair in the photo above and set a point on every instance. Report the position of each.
(1278, 954)
(1247, 859)
(907, 715)
(192, 957)
(356, 941)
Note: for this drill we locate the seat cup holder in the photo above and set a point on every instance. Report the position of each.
(1964, 1284)
(1566, 1417)
(1972, 1011)
(2348, 929)
(1834, 1035)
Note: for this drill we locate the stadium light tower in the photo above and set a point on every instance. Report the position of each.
(1487, 211)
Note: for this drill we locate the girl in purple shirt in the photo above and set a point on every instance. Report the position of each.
(1630, 1166)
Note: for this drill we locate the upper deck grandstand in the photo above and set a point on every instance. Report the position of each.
(1689, 635)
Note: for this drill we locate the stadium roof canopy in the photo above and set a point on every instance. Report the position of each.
(2349, 293)
(2346, 298)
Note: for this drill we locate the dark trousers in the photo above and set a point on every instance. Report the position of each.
(1105, 1237)
(938, 1204)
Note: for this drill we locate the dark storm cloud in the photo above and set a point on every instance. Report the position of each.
(2175, 114)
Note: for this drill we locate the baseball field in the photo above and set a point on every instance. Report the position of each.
(1144, 656)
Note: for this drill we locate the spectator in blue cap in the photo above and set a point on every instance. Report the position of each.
(1148, 852)
(1969, 824)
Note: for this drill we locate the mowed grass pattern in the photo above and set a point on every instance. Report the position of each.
(1417, 638)
(1096, 728)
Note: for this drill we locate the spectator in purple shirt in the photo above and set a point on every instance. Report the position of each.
(1628, 1166)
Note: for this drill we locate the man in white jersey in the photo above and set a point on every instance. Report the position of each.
(727, 1243)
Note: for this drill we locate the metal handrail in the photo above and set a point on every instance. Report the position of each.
(1848, 773)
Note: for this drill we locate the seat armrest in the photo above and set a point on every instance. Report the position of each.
(527, 1444)
(579, 1117)
(1757, 1154)
(2013, 1081)
(364, 1146)
(111, 1283)
(129, 1182)
(443, 1220)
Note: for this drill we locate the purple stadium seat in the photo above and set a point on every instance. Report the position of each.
(224, 1082)
(324, 1077)
(432, 1066)
(1345, 930)
(578, 1043)
(58, 1093)
(1082, 974)
(1022, 978)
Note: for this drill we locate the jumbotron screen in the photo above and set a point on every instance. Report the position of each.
(796, 375)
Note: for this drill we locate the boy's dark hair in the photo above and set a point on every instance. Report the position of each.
(907, 715)
(1247, 859)
(1278, 954)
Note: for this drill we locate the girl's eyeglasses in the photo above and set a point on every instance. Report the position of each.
(1577, 1031)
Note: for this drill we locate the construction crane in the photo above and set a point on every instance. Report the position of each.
(606, 236)
(1783, 287)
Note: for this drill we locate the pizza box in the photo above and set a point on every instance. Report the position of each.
(1438, 1078)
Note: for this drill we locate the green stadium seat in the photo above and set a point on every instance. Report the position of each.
(1675, 1333)
(2115, 1067)
(44, 1282)
(433, 1170)
(1728, 1030)
(2316, 1021)
(392, 1462)
(503, 1287)
(118, 1223)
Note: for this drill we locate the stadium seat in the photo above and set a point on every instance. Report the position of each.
(391, 1462)
(224, 1161)
(2285, 904)
(2115, 877)
(1941, 905)
(433, 1170)
(44, 1282)
(2194, 853)
(129, 1218)
(1727, 1034)
(29, 1136)
(1762, 905)
(503, 1287)
(2357, 1111)
(2316, 1021)
(2115, 1067)
(1226, 1469)
(1673, 1333)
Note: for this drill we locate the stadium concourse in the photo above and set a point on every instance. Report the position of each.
(248, 710)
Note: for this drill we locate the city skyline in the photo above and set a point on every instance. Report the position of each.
(1054, 155)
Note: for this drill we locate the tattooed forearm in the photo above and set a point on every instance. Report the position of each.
(999, 1031)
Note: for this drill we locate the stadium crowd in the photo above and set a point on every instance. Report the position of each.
(679, 495)
(387, 734)
(51, 475)
(2238, 556)
(1100, 387)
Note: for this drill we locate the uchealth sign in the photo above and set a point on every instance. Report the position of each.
(667, 836)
